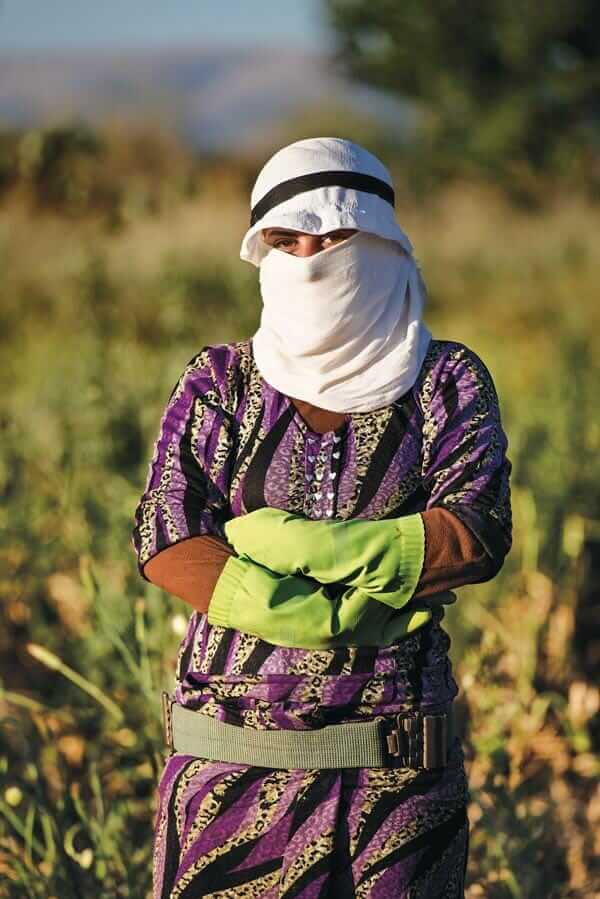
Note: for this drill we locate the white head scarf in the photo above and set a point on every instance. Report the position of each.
(343, 328)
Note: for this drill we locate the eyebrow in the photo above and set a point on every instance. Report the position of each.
(272, 232)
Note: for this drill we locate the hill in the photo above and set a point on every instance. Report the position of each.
(215, 97)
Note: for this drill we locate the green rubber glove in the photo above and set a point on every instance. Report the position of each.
(296, 611)
(383, 558)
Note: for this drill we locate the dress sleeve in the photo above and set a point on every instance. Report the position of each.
(465, 468)
(186, 492)
(190, 569)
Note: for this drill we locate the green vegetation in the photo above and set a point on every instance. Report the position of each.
(102, 304)
(505, 90)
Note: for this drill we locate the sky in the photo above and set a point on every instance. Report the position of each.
(58, 24)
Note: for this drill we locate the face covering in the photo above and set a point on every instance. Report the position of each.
(342, 329)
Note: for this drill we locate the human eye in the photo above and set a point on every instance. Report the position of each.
(337, 236)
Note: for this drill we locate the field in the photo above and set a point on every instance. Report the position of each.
(101, 306)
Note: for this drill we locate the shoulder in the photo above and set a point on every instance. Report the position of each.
(452, 370)
(218, 372)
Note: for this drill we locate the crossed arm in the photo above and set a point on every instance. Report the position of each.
(274, 588)
(181, 531)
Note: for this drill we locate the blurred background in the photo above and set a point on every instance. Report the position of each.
(130, 136)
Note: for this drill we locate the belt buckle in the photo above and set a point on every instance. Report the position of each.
(435, 741)
(419, 741)
(167, 718)
(404, 742)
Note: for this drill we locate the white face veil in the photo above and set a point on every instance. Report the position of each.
(341, 329)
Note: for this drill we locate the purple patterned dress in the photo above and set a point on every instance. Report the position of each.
(230, 443)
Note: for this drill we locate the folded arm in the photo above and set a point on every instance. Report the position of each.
(453, 556)
(393, 560)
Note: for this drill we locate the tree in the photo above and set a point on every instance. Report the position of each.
(498, 82)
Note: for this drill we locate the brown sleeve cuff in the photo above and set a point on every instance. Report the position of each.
(190, 569)
(453, 555)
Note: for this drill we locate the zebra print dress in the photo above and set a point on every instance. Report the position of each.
(230, 443)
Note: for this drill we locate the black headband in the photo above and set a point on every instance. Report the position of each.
(288, 189)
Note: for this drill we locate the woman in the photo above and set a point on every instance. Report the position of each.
(315, 494)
